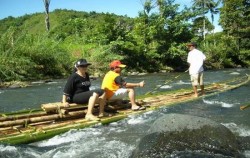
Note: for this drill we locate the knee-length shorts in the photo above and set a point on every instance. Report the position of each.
(197, 79)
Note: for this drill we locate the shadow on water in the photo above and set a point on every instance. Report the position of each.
(120, 139)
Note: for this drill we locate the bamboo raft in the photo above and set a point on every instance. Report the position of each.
(52, 119)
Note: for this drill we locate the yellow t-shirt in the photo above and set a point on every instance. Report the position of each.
(109, 85)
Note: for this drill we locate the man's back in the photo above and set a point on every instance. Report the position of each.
(195, 59)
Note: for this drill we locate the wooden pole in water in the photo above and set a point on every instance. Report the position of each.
(244, 107)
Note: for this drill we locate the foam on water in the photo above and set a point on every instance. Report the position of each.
(234, 73)
(92, 148)
(223, 104)
(139, 119)
(88, 143)
(135, 120)
(182, 82)
(7, 148)
(37, 82)
(247, 153)
(166, 87)
(241, 131)
(70, 136)
(9, 151)
(53, 82)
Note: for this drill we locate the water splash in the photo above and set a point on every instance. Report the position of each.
(223, 104)
(180, 82)
(166, 87)
(89, 142)
(247, 153)
(94, 148)
(7, 151)
(240, 130)
(139, 119)
(70, 136)
(7, 148)
(234, 73)
(53, 82)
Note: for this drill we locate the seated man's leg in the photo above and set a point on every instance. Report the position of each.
(131, 95)
(124, 92)
(119, 94)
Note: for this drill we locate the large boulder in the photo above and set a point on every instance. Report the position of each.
(189, 136)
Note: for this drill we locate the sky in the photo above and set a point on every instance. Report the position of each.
(130, 8)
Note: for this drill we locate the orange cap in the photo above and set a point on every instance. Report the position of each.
(116, 63)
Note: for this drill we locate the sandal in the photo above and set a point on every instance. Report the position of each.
(139, 108)
(91, 118)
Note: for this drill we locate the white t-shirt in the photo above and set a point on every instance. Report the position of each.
(195, 59)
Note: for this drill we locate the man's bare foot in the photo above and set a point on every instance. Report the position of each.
(91, 117)
(136, 108)
(196, 95)
(104, 114)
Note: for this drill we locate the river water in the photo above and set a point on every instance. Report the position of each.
(119, 139)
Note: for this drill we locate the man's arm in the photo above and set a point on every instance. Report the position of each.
(132, 85)
(119, 80)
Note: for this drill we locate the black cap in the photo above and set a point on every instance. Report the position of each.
(192, 44)
(82, 62)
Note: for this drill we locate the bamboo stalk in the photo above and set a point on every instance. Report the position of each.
(58, 105)
(16, 117)
(244, 107)
(42, 118)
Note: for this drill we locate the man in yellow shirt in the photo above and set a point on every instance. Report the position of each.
(116, 88)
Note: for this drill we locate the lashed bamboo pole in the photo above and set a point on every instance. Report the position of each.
(58, 105)
(42, 118)
(16, 117)
(244, 107)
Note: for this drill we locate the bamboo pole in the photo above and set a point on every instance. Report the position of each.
(42, 118)
(244, 107)
(58, 105)
(16, 117)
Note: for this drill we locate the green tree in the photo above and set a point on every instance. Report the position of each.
(198, 24)
(235, 21)
(204, 6)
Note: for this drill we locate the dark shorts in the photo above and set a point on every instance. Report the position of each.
(83, 98)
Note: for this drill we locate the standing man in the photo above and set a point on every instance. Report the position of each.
(196, 59)
(116, 88)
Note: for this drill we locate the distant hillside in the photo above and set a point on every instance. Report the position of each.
(35, 23)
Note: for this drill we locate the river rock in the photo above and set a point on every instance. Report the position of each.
(14, 86)
(175, 134)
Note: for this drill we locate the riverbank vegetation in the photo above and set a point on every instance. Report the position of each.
(155, 40)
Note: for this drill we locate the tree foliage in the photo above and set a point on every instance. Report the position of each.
(154, 40)
(235, 20)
